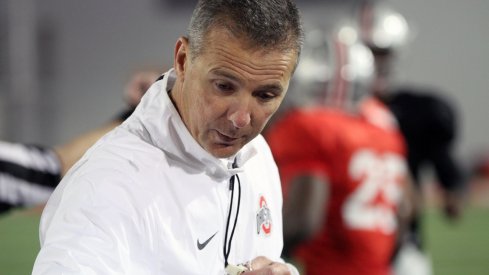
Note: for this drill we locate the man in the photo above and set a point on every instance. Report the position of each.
(29, 173)
(427, 120)
(187, 185)
(342, 164)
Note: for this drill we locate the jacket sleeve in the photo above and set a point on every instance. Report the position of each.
(93, 228)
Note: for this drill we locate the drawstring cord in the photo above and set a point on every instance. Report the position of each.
(227, 245)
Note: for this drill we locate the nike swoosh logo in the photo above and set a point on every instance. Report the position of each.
(201, 246)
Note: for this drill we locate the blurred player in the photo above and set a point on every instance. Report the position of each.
(341, 160)
(29, 173)
(427, 121)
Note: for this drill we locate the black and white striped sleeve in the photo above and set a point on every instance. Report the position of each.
(28, 175)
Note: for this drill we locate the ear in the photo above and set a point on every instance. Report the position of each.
(181, 56)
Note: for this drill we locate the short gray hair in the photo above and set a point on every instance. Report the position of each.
(265, 23)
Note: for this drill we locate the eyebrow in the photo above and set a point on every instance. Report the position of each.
(226, 75)
(272, 87)
(275, 87)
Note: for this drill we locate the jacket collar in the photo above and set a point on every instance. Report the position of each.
(157, 122)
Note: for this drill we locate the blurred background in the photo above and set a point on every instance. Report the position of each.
(63, 65)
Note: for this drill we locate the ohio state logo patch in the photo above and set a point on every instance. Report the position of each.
(263, 217)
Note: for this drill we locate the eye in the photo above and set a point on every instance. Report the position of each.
(266, 95)
(224, 86)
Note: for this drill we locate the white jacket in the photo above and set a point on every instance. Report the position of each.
(147, 195)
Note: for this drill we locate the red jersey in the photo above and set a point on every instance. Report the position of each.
(363, 158)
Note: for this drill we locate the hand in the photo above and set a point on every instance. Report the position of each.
(264, 266)
(138, 85)
(452, 204)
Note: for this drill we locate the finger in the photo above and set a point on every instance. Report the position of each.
(273, 268)
(260, 262)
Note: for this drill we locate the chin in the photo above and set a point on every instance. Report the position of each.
(224, 152)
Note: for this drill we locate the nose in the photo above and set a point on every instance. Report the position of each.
(241, 115)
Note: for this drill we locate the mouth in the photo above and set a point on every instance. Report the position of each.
(226, 139)
(223, 145)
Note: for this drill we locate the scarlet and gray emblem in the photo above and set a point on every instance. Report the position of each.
(263, 218)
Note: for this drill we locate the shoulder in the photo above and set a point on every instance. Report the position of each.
(428, 100)
(306, 134)
(303, 123)
(425, 111)
(125, 152)
(118, 166)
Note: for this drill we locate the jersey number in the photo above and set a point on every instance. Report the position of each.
(372, 205)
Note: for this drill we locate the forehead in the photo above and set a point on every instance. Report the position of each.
(224, 50)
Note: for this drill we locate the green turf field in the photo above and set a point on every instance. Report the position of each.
(459, 249)
(19, 242)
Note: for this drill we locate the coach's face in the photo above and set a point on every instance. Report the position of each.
(227, 93)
